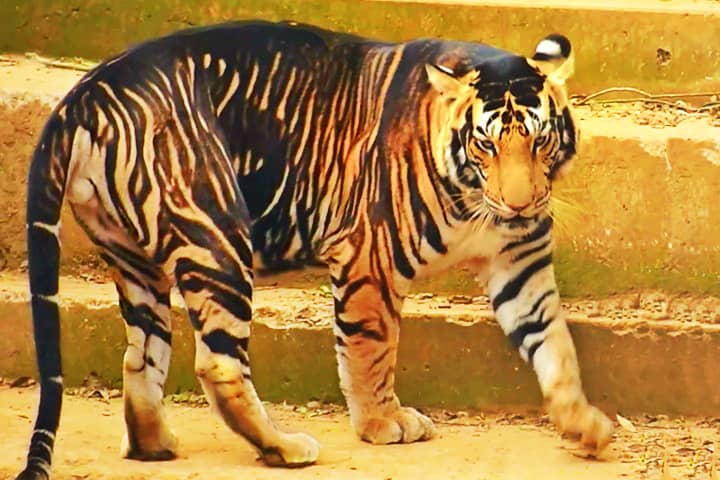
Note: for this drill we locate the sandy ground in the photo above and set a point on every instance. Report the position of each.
(492, 446)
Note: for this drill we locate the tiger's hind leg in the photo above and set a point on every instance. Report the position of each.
(218, 297)
(144, 297)
(145, 366)
(209, 255)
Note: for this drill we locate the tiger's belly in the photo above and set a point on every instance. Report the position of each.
(287, 252)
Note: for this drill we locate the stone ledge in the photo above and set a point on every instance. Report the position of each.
(451, 355)
(616, 42)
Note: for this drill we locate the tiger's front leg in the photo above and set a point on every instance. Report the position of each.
(525, 298)
(367, 315)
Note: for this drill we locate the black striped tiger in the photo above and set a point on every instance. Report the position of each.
(192, 159)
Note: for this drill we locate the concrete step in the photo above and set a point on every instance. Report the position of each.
(617, 43)
(638, 354)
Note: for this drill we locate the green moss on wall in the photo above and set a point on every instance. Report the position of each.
(612, 48)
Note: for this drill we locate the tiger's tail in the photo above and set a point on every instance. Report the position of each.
(46, 189)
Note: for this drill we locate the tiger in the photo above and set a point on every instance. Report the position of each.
(199, 159)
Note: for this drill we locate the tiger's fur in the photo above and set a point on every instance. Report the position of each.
(187, 156)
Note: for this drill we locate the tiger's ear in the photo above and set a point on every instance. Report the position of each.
(444, 80)
(555, 58)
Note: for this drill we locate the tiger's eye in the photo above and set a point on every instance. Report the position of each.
(486, 145)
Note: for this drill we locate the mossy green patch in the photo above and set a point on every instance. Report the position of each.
(455, 365)
(582, 275)
(612, 48)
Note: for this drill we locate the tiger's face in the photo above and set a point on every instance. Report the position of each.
(511, 131)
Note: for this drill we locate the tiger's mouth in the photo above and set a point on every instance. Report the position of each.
(517, 222)
(519, 218)
(506, 215)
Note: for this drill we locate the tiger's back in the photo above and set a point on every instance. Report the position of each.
(301, 110)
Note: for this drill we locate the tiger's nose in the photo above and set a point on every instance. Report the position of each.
(517, 197)
(518, 207)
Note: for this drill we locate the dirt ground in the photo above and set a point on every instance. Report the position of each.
(469, 447)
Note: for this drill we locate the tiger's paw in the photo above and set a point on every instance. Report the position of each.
(584, 422)
(404, 425)
(33, 474)
(158, 450)
(297, 450)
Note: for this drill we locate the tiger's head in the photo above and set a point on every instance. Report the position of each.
(506, 129)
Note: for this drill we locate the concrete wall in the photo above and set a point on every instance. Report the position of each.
(644, 189)
(642, 210)
(613, 48)
(454, 358)
(642, 214)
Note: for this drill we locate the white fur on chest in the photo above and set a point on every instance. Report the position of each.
(464, 244)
